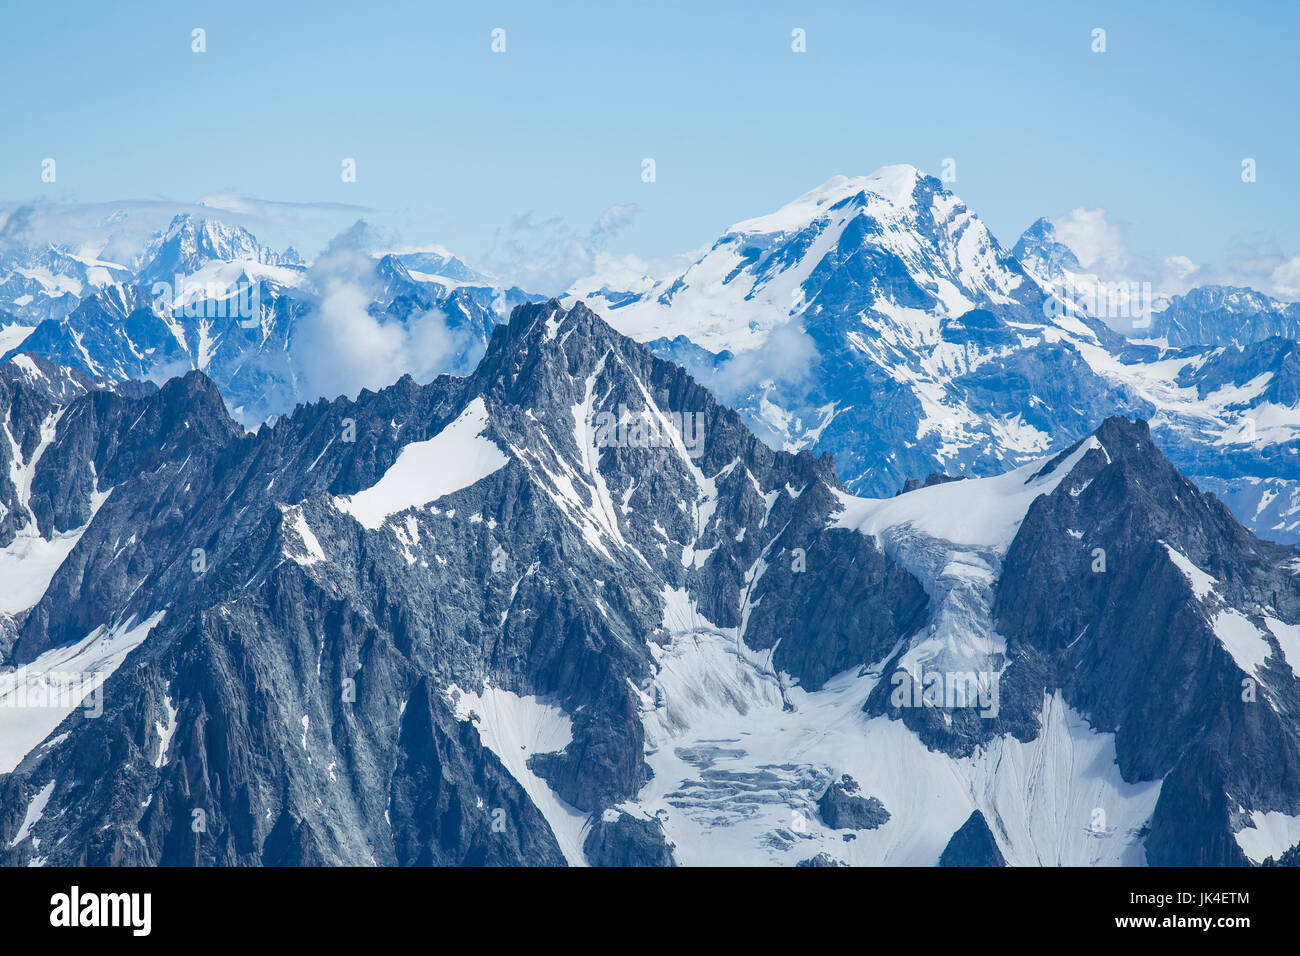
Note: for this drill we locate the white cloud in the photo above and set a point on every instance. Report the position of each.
(1102, 249)
(1095, 242)
(786, 358)
(632, 273)
(340, 347)
(614, 219)
(1286, 279)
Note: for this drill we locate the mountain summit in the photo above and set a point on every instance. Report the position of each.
(568, 609)
(877, 318)
(189, 243)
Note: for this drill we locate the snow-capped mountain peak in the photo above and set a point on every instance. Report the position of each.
(437, 263)
(894, 247)
(190, 242)
(46, 281)
(679, 646)
(1041, 250)
(889, 186)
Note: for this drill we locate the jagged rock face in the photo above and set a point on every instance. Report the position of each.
(30, 394)
(126, 332)
(50, 450)
(568, 609)
(1149, 607)
(617, 839)
(820, 860)
(972, 845)
(189, 243)
(246, 341)
(1256, 456)
(46, 281)
(209, 296)
(306, 693)
(928, 344)
(1214, 372)
(1272, 504)
(106, 440)
(843, 807)
(1041, 250)
(875, 318)
(1272, 359)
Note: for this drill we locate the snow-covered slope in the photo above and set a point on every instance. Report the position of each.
(617, 629)
(191, 244)
(764, 272)
(207, 295)
(48, 281)
(878, 319)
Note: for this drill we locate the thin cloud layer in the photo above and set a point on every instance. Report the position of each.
(547, 255)
(119, 231)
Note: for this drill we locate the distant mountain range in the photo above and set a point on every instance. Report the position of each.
(861, 540)
(206, 295)
(878, 319)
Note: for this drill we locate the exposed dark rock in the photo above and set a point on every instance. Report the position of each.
(972, 845)
(314, 696)
(821, 859)
(843, 807)
(627, 841)
(309, 694)
(1093, 602)
(934, 478)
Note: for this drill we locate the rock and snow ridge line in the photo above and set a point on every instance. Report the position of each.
(758, 280)
(561, 427)
(455, 458)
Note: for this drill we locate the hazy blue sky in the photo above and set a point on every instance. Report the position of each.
(454, 142)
